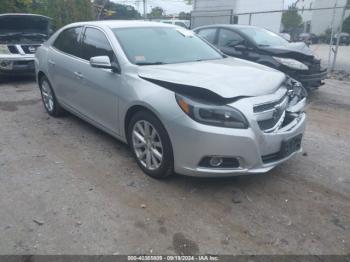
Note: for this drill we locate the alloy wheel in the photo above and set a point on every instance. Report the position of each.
(47, 96)
(147, 145)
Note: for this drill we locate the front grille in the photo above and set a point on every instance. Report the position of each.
(270, 123)
(270, 114)
(268, 106)
(13, 49)
(30, 49)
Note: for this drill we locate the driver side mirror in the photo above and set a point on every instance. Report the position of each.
(104, 62)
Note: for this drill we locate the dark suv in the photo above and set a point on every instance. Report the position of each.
(267, 48)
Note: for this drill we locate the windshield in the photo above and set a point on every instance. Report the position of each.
(163, 45)
(263, 37)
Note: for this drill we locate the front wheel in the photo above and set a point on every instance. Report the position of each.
(150, 144)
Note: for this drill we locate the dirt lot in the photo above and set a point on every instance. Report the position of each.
(67, 188)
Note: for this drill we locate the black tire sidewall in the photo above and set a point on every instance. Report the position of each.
(167, 166)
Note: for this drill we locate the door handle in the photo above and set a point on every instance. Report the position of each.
(78, 75)
(52, 62)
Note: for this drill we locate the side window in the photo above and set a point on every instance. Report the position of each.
(208, 34)
(95, 43)
(228, 38)
(68, 41)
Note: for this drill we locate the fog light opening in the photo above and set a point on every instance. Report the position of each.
(6, 64)
(216, 161)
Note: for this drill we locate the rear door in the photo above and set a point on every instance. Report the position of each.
(64, 65)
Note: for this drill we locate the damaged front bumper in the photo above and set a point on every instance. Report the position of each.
(242, 151)
(311, 79)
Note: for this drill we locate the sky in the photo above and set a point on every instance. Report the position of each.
(171, 6)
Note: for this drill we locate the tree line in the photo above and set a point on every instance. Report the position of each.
(68, 11)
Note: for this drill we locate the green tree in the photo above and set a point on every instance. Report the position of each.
(117, 11)
(189, 2)
(291, 20)
(15, 6)
(68, 11)
(156, 12)
(184, 16)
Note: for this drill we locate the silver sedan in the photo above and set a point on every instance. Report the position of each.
(180, 104)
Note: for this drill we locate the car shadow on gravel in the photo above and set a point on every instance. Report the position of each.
(15, 79)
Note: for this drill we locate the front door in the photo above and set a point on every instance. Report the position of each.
(98, 93)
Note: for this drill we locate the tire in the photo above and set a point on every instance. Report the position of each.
(152, 150)
(52, 107)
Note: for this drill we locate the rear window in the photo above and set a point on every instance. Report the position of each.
(69, 41)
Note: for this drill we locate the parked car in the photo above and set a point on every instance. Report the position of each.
(177, 101)
(308, 38)
(20, 36)
(182, 23)
(344, 39)
(267, 48)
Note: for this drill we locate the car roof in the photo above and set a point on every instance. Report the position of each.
(227, 26)
(122, 24)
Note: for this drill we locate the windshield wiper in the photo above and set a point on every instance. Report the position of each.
(150, 63)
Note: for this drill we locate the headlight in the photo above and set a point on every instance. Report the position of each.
(213, 115)
(4, 50)
(296, 91)
(292, 63)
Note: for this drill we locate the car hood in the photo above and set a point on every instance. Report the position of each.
(18, 26)
(291, 50)
(227, 78)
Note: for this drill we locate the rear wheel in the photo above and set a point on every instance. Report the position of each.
(150, 145)
(49, 99)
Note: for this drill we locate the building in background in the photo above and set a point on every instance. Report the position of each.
(238, 12)
(318, 21)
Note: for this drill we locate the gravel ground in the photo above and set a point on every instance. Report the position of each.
(68, 188)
